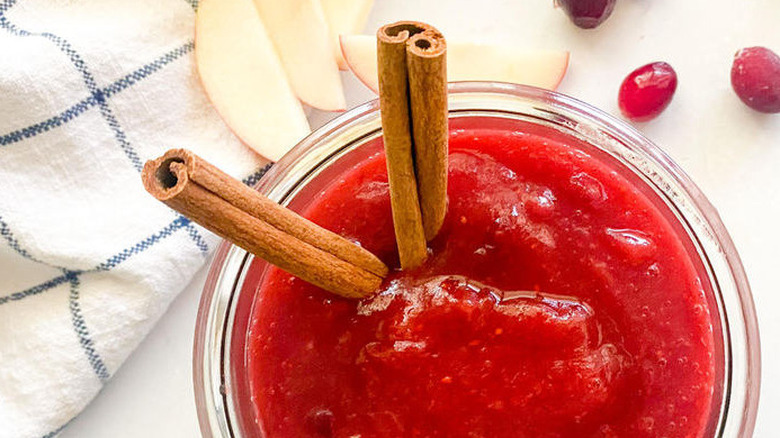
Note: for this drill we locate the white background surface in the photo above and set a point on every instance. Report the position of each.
(732, 152)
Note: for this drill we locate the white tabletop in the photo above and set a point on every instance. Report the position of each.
(732, 152)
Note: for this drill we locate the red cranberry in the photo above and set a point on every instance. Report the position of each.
(647, 91)
(755, 76)
(587, 14)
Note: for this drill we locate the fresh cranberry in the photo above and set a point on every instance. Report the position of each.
(755, 76)
(647, 91)
(587, 14)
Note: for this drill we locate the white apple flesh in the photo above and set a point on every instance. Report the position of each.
(345, 17)
(469, 62)
(300, 34)
(244, 78)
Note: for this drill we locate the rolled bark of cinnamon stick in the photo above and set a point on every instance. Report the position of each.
(396, 133)
(413, 103)
(200, 191)
(427, 65)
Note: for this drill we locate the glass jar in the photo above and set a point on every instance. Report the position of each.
(221, 384)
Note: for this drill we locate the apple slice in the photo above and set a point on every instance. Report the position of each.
(469, 62)
(302, 40)
(244, 78)
(345, 17)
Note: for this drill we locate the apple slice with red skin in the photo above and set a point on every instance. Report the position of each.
(244, 79)
(300, 34)
(345, 17)
(469, 62)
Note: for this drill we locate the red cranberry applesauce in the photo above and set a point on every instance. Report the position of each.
(559, 299)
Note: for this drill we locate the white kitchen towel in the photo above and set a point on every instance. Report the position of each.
(89, 90)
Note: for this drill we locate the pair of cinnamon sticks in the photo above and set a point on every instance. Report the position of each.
(413, 101)
(224, 205)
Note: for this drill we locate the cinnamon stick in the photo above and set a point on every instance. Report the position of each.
(413, 103)
(426, 62)
(200, 191)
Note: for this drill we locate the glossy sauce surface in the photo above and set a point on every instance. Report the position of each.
(558, 301)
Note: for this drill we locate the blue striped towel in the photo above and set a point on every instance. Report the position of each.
(89, 90)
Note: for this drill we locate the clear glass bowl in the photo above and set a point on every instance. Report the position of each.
(218, 359)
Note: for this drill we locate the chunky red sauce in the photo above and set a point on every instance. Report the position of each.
(558, 301)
